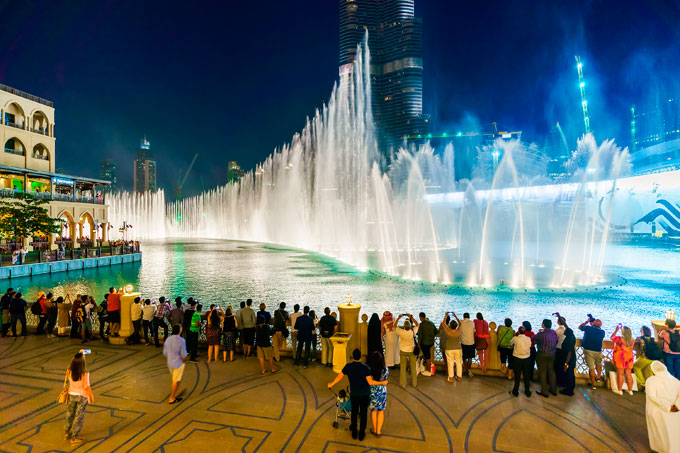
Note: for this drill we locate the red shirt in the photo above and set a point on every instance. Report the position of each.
(113, 302)
(530, 334)
(481, 328)
(41, 301)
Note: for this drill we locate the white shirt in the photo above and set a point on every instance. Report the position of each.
(135, 311)
(406, 336)
(522, 346)
(293, 318)
(560, 336)
(148, 312)
(467, 332)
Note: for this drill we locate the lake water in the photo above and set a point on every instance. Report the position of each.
(226, 272)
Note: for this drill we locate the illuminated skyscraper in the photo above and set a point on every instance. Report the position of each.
(145, 169)
(109, 172)
(234, 172)
(396, 66)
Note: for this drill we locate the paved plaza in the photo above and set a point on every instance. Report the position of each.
(232, 407)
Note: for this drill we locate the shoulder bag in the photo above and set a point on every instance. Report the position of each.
(63, 395)
(284, 332)
(416, 348)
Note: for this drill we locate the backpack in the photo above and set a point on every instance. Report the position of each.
(652, 351)
(36, 309)
(674, 343)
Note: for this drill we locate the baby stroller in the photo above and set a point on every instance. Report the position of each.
(343, 407)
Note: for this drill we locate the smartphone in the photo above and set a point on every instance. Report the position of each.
(87, 351)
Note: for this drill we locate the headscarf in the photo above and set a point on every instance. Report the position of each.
(386, 323)
(662, 389)
(374, 339)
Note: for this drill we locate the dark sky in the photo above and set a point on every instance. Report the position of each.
(233, 80)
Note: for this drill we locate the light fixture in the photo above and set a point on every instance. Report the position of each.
(670, 315)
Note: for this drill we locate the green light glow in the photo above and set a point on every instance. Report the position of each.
(459, 134)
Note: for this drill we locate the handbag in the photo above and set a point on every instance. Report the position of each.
(285, 331)
(63, 395)
(416, 348)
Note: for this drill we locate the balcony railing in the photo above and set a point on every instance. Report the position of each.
(11, 124)
(16, 193)
(40, 156)
(25, 95)
(40, 131)
(18, 152)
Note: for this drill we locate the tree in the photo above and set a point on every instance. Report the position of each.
(25, 216)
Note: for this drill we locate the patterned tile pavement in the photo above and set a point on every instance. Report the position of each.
(232, 407)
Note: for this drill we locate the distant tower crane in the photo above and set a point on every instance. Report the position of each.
(180, 182)
(582, 86)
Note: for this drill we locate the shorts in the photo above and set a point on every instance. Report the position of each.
(593, 358)
(506, 355)
(426, 351)
(249, 336)
(469, 351)
(114, 317)
(86, 324)
(265, 353)
(177, 373)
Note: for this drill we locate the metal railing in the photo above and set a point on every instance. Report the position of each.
(40, 156)
(25, 95)
(16, 193)
(40, 131)
(18, 152)
(11, 124)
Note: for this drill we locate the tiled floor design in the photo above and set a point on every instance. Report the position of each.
(231, 407)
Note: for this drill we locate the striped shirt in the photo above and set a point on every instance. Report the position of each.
(161, 309)
(546, 341)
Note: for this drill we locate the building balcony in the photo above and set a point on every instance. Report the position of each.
(40, 156)
(17, 152)
(18, 126)
(40, 131)
(48, 196)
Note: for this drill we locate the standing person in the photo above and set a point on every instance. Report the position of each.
(467, 342)
(17, 313)
(482, 341)
(63, 317)
(623, 358)
(521, 360)
(315, 335)
(136, 318)
(670, 335)
(327, 328)
(113, 307)
(280, 330)
(194, 329)
(162, 311)
(373, 336)
(646, 351)
(592, 348)
(249, 323)
(442, 341)
(42, 313)
(305, 327)
(426, 334)
(378, 401)
(391, 340)
(264, 313)
(239, 326)
(76, 316)
(407, 343)
(546, 340)
(532, 351)
(88, 312)
(663, 410)
(360, 382)
(148, 313)
(569, 365)
(4, 306)
(177, 314)
(213, 332)
(51, 314)
(559, 354)
(79, 396)
(293, 332)
(263, 340)
(187, 314)
(452, 348)
(103, 314)
(175, 350)
(229, 335)
(505, 335)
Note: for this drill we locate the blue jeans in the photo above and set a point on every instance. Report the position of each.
(672, 362)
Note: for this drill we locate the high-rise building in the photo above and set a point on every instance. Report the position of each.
(109, 172)
(145, 168)
(655, 135)
(396, 66)
(234, 172)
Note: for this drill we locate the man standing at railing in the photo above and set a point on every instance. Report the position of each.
(546, 340)
(592, 348)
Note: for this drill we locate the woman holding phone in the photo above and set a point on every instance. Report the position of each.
(79, 396)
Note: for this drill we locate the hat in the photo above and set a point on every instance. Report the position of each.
(41, 293)
(597, 323)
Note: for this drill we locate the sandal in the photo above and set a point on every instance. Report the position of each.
(76, 440)
(177, 400)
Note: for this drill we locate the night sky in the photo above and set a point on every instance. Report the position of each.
(233, 80)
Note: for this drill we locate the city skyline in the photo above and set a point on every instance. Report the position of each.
(499, 63)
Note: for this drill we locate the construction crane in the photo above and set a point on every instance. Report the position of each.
(180, 183)
(582, 87)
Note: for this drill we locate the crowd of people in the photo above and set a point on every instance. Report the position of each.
(404, 341)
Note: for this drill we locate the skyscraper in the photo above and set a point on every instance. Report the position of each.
(109, 172)
(234, 172)
(396, 66)
(145, 168)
